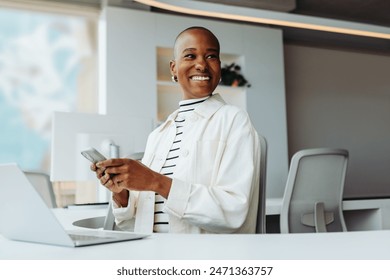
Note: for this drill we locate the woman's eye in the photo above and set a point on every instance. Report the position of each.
(212, 56)
(189, 56)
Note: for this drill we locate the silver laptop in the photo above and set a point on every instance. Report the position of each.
(24, 216)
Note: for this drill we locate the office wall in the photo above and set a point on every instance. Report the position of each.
(341, 98)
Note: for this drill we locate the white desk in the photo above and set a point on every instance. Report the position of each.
(349, 245)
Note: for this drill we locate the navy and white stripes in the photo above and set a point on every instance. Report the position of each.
(161, 219)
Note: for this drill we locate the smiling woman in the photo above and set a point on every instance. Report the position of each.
(200, 170)
(196, 65)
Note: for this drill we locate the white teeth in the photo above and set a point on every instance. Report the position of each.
(200, 78)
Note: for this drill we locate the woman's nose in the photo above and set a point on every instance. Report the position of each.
(201, 64)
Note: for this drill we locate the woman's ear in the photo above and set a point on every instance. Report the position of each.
(172, 66)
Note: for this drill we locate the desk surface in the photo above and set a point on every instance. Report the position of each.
(324, 246)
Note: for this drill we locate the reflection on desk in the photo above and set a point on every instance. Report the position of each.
(68, 217)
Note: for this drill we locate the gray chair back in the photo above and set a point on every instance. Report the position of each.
(312, 199)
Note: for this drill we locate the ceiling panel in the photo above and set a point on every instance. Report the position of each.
(366, 11)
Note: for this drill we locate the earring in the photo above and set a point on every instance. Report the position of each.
(174, 79)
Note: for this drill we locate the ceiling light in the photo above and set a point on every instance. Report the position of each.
(269, 17)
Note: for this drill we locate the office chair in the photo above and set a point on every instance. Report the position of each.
(260, 224)
(312, 199)
(41, 182)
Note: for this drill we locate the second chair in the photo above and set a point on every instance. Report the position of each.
(312, 200)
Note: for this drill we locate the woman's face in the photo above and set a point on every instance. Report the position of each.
(197, 65)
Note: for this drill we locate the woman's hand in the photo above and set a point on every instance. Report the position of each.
(119, 196)
(121, 174)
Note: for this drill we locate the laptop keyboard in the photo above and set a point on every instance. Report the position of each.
(78, 237)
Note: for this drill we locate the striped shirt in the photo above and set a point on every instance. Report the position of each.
(161, 219)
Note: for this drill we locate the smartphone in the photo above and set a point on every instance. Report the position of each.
(93, 155)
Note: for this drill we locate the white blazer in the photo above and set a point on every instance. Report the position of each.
(216, 180)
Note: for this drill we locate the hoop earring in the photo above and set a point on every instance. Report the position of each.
(174, 79)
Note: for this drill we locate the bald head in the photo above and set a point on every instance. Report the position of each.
(194, 29)
(196, 65)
